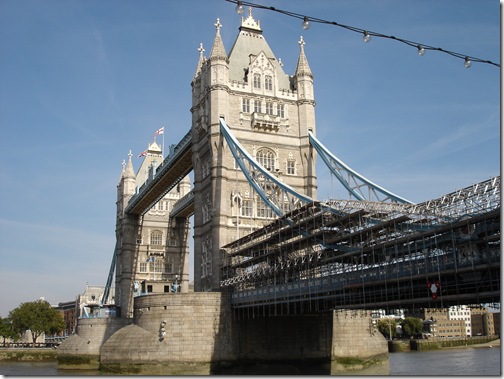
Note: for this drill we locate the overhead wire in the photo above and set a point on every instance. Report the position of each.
(367, 34)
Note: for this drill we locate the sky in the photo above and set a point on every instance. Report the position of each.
(84, 81)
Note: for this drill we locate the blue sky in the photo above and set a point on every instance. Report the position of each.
(85, 81)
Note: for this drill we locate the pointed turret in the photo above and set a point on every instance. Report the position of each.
(200, 61)
(303, 68)
(218, 50)
(303, 75)
(126, 187)
(129, 172)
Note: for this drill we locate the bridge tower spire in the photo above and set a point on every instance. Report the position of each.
(306, 109)
(264, 110)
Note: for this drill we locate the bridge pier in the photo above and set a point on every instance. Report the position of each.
(173, 334)
(197, 334)
(82, 350)
(357, 346)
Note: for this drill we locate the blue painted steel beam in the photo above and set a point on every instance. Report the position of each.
(334, 164)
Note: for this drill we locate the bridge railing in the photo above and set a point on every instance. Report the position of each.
(184, 202)
(175, 154)
(476, 199)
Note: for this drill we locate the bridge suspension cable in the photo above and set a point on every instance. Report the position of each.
(280, 197)
(357, 185)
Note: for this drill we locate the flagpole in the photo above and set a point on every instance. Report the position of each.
(162, 149)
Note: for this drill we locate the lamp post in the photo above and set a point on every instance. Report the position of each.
(390, 328)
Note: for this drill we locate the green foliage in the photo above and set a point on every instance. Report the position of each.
(7, 330)
(387, 326)
(412, 326)
(38, 317)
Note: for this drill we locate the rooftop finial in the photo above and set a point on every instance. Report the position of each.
(201, 49)
(301, 42)
(218, 25)
(250, 23)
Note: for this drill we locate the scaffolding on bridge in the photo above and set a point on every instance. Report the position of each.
(370, 254)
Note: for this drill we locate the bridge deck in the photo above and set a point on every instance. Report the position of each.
(173, 169)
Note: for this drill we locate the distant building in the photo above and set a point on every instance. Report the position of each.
(69, 312)
(437, 323)
(497, 322)
(483, 322)
(461, 312)
(88, 304)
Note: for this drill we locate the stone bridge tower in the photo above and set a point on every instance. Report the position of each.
(270, 113)
(151, 249)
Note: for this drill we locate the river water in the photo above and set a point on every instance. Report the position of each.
(469, 361)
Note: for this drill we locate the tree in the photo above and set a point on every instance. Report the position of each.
(387, 327)
(6, 330)
(38, 317)
(412, 326)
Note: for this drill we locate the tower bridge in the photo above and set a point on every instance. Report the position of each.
(272, 263)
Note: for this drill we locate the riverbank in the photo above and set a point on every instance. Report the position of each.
(50, 354)
(489, 344)
(402, 346)
(28, 354)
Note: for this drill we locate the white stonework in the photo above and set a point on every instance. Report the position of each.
(270, 113)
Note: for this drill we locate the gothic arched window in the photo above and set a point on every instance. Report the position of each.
(266, 158)
(156, 238)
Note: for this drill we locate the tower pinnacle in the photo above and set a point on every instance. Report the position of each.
(218, 50)
(129, 172)
(303, 68)
(201, 60)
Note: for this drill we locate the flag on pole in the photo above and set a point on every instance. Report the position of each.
(151, 259)
(159, 131)
(142, 154)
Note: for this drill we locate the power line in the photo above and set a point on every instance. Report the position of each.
(367, 34)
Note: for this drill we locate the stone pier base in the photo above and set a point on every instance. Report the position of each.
(197, 334)
(82, 350)
(358, 348)
(173, 334)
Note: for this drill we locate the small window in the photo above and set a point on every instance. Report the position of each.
(246, 105)
(166, 289)
(257, 81)
(149, 288)
(263, 210)
(257, 106)
(246, 208)
(268, 82)
(291, 167)
(281, 111)
(269, 108)
(143, 266)
(168, 266)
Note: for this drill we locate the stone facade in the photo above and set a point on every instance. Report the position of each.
(270, 113)
(151, 249)
(82, 349)
(357, 346)
(174, 333)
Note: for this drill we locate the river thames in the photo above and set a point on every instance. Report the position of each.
(453, 362)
